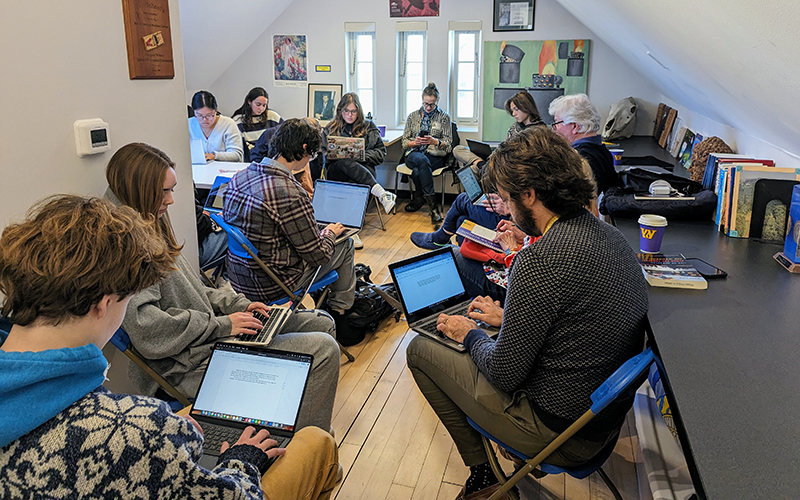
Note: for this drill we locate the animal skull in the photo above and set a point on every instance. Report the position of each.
(621, 120)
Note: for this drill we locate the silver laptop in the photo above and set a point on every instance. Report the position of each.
(429, 285)
(471, 185)
(340, 202)
(198, 154)
(345, 147)
(249, 385)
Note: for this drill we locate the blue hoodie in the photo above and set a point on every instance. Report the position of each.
(37, 386)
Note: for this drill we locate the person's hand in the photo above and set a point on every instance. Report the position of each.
(506, 240)
(487, 310)
(211, 156)
(244, 322)
(195, 423)
(260, 307)
(455, 327)
(494, 203)
(507, 225)
(336, 227)
(260, 440)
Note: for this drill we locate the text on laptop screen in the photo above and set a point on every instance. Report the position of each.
(340, 202)
(470, 183)
(429, 281)
(253, 387)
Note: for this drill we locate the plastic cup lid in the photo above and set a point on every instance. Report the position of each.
(652, 220)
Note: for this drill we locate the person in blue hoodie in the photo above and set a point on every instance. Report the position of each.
(67, 273)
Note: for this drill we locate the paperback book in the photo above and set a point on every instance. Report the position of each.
(670, 271)
(479, 234)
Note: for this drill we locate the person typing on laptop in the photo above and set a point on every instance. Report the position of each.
(67, 273)
(267, 204)
(574, 313)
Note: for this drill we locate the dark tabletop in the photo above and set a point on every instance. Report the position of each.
(732, 358)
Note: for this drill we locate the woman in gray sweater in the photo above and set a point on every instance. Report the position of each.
(175, 323)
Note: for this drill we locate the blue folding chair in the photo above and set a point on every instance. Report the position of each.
(122, 341)
(240, 245)
(623, 382)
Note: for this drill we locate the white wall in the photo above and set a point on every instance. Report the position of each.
(64, 61)
(610, 77)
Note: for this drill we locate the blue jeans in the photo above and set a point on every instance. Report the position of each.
(422, 166)
(462, 208)
(475, 281)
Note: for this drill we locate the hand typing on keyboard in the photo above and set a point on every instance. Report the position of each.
(455, 327)
(244, 323)
(487, 310)
(260, 440)
(258, 307)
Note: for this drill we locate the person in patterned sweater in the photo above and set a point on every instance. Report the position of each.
(67, 273)
(573, 314)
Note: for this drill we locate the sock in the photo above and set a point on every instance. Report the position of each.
(377, 190)
(440, 236)
(480, 477)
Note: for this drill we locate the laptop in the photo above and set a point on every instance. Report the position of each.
(480, 148)
(429, 285)
(272, 325)
(340, 202)
(198, 154)
(471, 185)
(216, 197)
(345, 147)
(249, 385)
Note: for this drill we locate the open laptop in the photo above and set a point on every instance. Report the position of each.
(216, 197)
(345, 147)
(471, 185)
(429, 285)
(249, 385)
(340, 202)
(198, 154)
(480, 148)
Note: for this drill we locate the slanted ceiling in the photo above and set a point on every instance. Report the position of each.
(735, 62)
(215, 33)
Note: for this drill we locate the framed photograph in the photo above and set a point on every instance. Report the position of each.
(513, 15)
(322, 101)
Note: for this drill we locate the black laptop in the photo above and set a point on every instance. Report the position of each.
(480, 148)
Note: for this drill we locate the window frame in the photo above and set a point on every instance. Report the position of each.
(402, 64)
(351, 54)
(474, 120)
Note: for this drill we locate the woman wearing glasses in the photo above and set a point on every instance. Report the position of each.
(220, 134)
(426, 141)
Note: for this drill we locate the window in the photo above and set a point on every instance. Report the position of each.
(411, 47)
(361, 68)
(464, 75)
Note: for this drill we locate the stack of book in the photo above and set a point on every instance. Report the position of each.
(670, 271)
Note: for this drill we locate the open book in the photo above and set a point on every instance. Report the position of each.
(479, 234)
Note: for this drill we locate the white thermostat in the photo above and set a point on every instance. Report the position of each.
(91, 136)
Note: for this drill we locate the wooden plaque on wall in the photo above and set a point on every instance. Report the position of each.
(148, 38)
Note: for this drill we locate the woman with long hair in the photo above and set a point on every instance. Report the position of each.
(219, 134)
(523, 108)
(254, 115)
(175, 323)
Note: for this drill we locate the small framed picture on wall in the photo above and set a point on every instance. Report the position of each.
(513, 15)
(322, 101)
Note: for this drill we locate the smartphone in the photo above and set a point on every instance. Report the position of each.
(705, 269)
(423, 133)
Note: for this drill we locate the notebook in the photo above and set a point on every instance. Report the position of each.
(198, 154)
(480, 148)
(429, 285)
(249, 385)
(471, 185)
(340, 202)
(345, 147)
(216, 196)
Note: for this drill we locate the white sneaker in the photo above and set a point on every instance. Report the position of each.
(357, 243)
(388, 200)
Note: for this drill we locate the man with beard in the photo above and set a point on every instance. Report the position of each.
(573, 314)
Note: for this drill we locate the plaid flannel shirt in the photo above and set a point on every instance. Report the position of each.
(270, 207)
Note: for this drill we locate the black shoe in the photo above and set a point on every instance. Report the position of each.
(414, 205)
(436, 214)
(345, 334)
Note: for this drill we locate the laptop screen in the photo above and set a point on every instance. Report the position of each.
(216, 196)
(471, 185)
(340, 202)
(253, 385)
(428, 281)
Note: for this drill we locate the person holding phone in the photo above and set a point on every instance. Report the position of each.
(427, 139)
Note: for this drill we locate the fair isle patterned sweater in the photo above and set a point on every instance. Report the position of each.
(124, 447)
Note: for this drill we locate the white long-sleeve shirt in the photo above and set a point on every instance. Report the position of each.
(225, 140)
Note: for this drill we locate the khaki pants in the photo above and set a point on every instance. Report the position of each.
(308, 469)
(455, 389)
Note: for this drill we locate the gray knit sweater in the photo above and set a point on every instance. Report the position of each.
(573, 314)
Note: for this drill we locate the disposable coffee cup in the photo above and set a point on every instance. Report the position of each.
(382, 130)
(651, 232)
(617, 153)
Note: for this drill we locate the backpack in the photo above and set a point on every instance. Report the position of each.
(372, 302)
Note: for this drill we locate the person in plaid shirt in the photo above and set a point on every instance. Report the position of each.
(271, 208)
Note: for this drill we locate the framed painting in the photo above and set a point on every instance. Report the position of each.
(513, 15)
(322, 101)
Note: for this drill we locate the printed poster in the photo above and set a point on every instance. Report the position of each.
(290, 60)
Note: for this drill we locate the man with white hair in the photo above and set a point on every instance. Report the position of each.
(578, 121)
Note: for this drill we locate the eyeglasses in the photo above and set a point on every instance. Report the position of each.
(428, 105)
(205, 117)
(349, 111)
(557, 123)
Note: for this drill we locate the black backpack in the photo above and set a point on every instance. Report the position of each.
(372, 302)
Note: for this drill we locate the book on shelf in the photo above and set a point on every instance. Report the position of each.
(686, 158)
(670, 271)
(675, 136)
(686, 145)
(660, 116)
(668, 124)
(479, 234)
(743, 191)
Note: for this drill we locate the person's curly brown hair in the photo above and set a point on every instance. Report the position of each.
(70, 252)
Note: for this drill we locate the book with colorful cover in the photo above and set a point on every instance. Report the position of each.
(479, 234)
(724, 194)
(719, 188)
(686, 145)
(686, 158)
(670, 271)
(744, 190)
(678, 130)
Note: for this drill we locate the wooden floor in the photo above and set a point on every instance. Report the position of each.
(391, 444)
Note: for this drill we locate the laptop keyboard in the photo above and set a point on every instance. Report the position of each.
(431, 327)
(215, 435)
(270, 323)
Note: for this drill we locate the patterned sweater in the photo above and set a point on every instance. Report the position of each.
(573, 314)
(119, 446)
